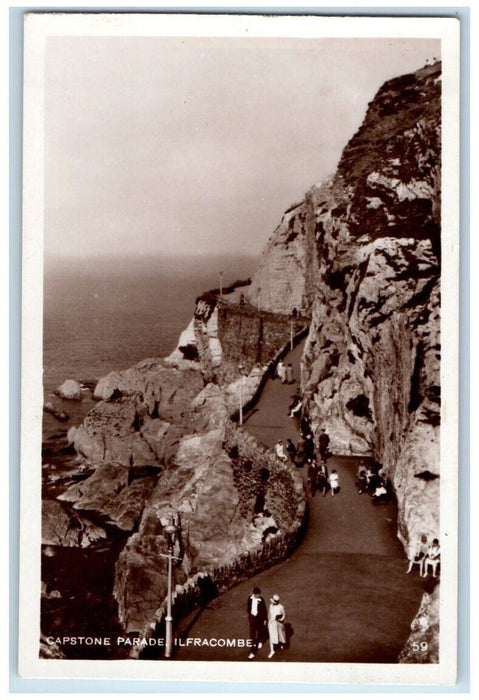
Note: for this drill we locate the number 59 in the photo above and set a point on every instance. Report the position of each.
(419, 646)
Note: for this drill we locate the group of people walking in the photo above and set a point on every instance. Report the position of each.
(305, 449)
(285, 372)
(319, 479)
(265, 623)
(315, 459)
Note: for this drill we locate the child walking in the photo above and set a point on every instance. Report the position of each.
(334, 482)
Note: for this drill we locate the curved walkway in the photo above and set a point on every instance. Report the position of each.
(345, 590)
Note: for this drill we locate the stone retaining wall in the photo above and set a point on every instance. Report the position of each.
(286, 502)
(251, 337)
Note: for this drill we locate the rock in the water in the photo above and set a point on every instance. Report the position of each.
(71, 435)
(57, 413)
(70, 389)
(49, 594)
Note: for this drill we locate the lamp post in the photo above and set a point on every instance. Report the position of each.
(291, 324)
(221, 283)
(240, 368)
(171, 532)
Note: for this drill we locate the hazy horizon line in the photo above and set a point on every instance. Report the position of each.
(48, 258)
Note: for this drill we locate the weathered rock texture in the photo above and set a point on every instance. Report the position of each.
(283, 279)
(216, 508)
(423, 644)
(371, 237)
(114, 492)
(360, 256)
(63, 528)
(372, 365)
(227, 338)
(138, 420)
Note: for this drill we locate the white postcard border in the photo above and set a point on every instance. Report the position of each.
(37, 28)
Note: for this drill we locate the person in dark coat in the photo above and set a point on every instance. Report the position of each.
(323, 478)
(257, 620)
(300, 458)
(291, 450)
(309, 446)
(324, 444)
(313, 471)
(305, 426)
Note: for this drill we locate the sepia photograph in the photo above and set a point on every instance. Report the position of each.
(239, 391)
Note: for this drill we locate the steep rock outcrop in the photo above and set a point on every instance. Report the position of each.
(132, 424)
(371, 365)
(423, 644)
(371, 237)
(62, 527)
(114, 492)
(283, 280)
(202, 491)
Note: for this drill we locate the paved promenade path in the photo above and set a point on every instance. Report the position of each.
(345, 590)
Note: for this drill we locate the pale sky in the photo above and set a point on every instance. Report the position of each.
(168, 146)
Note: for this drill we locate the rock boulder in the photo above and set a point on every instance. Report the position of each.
(70, 389)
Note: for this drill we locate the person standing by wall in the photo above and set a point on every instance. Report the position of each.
(313, 471)
(291, 450)
(276, 617)
(281, 371)
(289, 373)
(324, 444)
(257, 619)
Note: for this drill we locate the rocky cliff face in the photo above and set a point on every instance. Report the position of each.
(371, 239)
(220, 512)
(361, 257)
(160, 443)
(284, 279)
(366, 247)
(372, 366)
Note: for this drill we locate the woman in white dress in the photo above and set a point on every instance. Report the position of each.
(276, 617)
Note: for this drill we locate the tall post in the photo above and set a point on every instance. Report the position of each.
(170, 531)
(221, 283)
(291, 334)
(241, 401)
(169, 617)
(240, 367)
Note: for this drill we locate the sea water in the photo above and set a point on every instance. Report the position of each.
(105, 315)
(99, 316)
